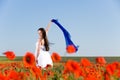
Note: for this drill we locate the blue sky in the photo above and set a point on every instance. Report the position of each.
(94, 25)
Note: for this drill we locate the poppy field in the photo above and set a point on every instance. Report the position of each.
(24, 68)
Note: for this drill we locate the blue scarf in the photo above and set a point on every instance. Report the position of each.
(66, 35)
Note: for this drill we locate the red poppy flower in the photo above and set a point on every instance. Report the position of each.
(29, 59)
(101, 60)
(107, 77)
(36, 72)
(118, 73)
(2, 77)
(10, 55)
(85, 62)
(13, 75)
(70, 49)
(56, 57)
(91, 78)
(110, 68)
(44, 77)
(73, 66)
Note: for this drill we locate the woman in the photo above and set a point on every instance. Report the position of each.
(42, 55)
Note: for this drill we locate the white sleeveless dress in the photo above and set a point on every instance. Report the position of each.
(44, 57)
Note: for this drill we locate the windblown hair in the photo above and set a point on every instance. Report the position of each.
(44, 36)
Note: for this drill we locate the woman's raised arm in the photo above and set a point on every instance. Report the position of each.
(48, 26)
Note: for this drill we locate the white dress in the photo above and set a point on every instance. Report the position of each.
(44, 57)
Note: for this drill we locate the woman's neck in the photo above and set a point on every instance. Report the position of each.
(40, 38)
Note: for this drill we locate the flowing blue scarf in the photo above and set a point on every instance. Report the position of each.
(66, 35)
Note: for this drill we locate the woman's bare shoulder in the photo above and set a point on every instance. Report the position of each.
(37, 41)
(42, 42)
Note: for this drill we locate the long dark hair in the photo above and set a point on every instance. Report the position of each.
(44, 36)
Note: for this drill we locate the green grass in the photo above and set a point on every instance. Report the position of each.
(3, 58)
(64, 59)
(92, 59)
